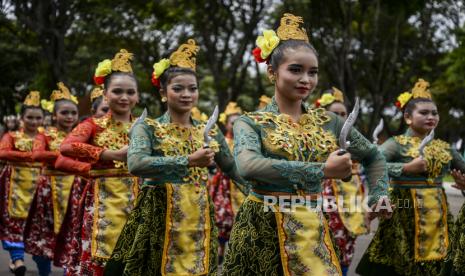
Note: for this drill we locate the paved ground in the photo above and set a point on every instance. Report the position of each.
(455, 199)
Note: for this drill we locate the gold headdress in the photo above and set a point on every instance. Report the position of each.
(196, 114)
(231, 109)
(263, 101)
(183, 57)
(338, 95)
(32, 99)
(96, 92)
(289, 28)
(62, 93)
(120, 63)
(419, 90)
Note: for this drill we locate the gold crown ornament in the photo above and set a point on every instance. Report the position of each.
(183, 57)
(288, 29)
(32, 99)
(62, 93)
(419, 90)
(338, 95)
(263, 101)
(120, 63)
(231, 109)
(196, 114)
(96, 92)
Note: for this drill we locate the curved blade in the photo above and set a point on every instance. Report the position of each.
(138, 120)
(348, 124)
(209, 125)
(458, 144)
(425, 142)
(377, 131)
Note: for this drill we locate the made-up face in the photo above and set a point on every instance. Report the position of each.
(339, 109)
(66, 115)
(182, 93)
(230, 122)
(424, 117)
(297, 75)
(122, 94)
(102, 109)
(32, 119)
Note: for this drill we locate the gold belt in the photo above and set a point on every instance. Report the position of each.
(48, 171)
(25, 164)
(312, 196)
(109, 173)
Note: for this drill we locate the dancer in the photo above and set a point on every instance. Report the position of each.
(286, 150)
(110, 190)
(18, 180)
(171, 230)
(53, 187)
(416, 240)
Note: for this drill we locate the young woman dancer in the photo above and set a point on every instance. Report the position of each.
(18, 180)
(416, 240)
(287, 149)
(172, 230)
(110, 190)
(53, 187)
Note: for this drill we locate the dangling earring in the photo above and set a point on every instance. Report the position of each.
(409, 122)
(272, 78)
(164, 99)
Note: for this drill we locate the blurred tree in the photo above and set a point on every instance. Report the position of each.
(228, 36)
(449, 91)
(19, 60)
(50, 20)
(372, 49)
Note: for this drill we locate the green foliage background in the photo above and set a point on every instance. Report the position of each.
(369, 48)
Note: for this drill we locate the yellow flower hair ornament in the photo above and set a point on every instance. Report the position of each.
(265, 45)
(158, 69)
(325, 100)
(403, 99)
(103, 70)
(47, 105)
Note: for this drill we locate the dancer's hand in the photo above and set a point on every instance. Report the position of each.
(459, 178)
(416, 166)
(116, 155)
(338, 166)
(202, 158)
